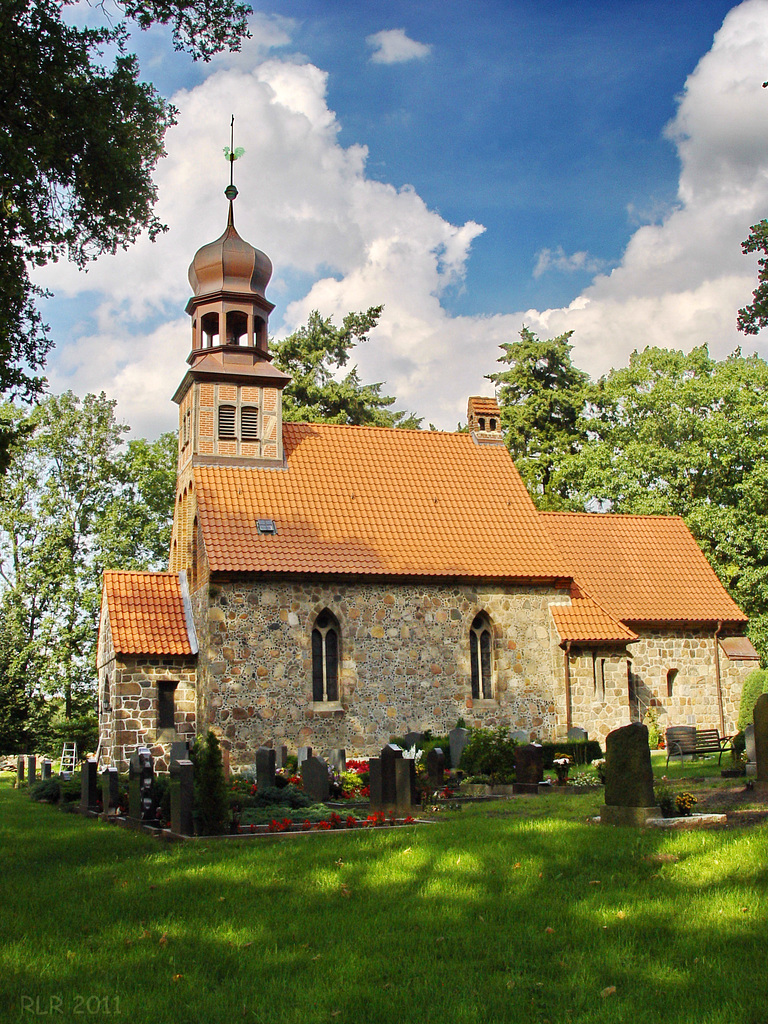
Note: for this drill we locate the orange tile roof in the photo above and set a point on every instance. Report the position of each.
(641, 568)
(585, 621)
(367, 500)
(146, 613)
(484, 406)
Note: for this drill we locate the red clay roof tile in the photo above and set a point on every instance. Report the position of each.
(146, 613)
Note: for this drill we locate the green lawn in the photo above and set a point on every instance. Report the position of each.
(514, 911)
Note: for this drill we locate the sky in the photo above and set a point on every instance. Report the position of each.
(473, 165)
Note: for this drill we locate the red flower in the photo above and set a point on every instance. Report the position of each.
(351, 821)
(273, 826)
(252, 828)
(306, 825)
(409, 820)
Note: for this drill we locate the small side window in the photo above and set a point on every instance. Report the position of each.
(166, 704)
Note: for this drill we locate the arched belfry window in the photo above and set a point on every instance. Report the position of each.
(481, 657)
(325, 658)
(210, 327)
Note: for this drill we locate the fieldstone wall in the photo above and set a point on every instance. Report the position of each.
(404, 662)
(682, 661)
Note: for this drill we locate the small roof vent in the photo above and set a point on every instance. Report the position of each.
(266, 526)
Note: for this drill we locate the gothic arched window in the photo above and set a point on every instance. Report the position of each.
(325, 658)
(481, 657)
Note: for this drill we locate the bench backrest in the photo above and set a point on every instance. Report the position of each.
(681, 739)
(708, 738)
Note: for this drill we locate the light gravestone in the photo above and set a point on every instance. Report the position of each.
(529, 768)
(265, 768)
(281, 756)
(140, 776)
(314, 779)
(302, 755)
(337, 759)
(110, 792)
(436, 768)
(629, 798)
(89, 785)
(760, 719)
(749, 749)
(46, 769)
(457, 740)
(182, 774)
(412, 738)
(520, 736)
(31, 768)
(577, 735)
(180, 750)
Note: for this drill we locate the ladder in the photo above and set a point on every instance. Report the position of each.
(68, 758)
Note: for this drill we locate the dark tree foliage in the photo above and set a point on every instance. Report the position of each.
(313, 355)
(211, 800)
(754, 316)
(79, 140)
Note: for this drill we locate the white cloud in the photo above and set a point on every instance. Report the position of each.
(307, 201)
(558, 259)
(268, 32)
(392, 46)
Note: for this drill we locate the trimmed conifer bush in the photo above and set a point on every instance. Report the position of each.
(211, 799)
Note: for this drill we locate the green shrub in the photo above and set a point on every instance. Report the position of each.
(755, 684)
(651, 721)
(490, 752)
(47, 791)
(211, 798)
(581, 751)
(438, 741)
(738, 746)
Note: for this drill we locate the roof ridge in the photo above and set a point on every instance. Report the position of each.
(140, 572)
(613, 515)
(374, 427)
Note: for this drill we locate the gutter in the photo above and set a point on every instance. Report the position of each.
(718, 680)
(567, 663)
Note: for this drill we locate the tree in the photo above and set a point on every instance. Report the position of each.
(313, 355)
(79, 140)
(542, 397)
(754, 316)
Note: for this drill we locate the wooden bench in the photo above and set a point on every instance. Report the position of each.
(686, 739)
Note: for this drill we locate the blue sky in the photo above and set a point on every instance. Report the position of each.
(472, 165)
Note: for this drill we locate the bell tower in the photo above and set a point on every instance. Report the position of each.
(230, 400)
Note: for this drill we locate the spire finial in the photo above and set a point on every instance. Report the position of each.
(232, 154)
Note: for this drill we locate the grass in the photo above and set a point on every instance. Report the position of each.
(510, 911)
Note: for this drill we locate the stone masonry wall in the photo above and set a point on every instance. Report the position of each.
(694, 690)
(404, 662)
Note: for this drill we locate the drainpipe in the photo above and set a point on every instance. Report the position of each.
(718, 681)
(567, 662)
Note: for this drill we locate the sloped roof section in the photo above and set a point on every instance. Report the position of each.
(366, 500)
(584, 621)
(641, 568)
(147, 613)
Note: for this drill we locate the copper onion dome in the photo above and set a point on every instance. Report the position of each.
(230, 264)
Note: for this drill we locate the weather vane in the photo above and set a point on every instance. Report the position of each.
(232, 154)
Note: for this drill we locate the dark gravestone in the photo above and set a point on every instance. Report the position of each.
(31, 768)
(337, 759)
(457, 738)
(374, 783)
(405, 785)
(760, 719)
(140, 776)
(20, 762)
(412, 738)
(182, 774)
(89, 785)
(303, 754)
(265, 768)
(46, 769)
(529, 768)
(389, 755)
(314, 779)
(436, 768)
(629, 798)
(281, 756)
(577, 735)
(110, 791)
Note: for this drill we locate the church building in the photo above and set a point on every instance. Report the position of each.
(332, 586)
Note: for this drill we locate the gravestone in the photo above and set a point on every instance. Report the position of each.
(20, 762)
(180, 750)
(405, 786)
(140, 776)
(110, 791)
(457, 739)
(303, 754)
(760, 719)
(520, 736)
(529, 768)
(749, 743)
(314, 779)
(629, 798)
(389, 756)
(337, 759)
(412, 738)
(46, 769)
(182, 774)
(577, 735)
(265, 768)
(374, 783)
(281, 756)
(31, 768)
(436, 768)
(89, 785)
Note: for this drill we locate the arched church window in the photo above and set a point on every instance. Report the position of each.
(325, 658)
(480, 656)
